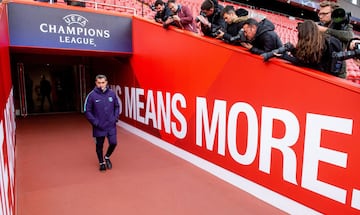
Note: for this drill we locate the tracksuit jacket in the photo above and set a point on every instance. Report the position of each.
(102, 111)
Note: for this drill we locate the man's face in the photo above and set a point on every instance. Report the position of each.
(159, 8)
(325, 14)
(208, 12)
(228, 17)
(249, 31)
(173, 7)
(101, 83)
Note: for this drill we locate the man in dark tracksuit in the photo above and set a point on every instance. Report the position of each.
(102, 110)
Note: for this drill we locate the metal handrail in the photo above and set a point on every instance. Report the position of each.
(96, 4)
(111, 5)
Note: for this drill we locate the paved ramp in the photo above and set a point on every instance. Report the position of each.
(57, 174)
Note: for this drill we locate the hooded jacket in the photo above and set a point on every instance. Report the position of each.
(233, 30)
(102, 111)
(265, 39)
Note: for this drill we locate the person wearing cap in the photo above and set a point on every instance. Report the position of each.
(234, 22)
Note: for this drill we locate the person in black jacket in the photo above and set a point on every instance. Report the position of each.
(234, 22)
(261, 36)
(162, 11)
(314, 50)
(210, 18)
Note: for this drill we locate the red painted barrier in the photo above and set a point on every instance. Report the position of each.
(289, 135)
(7, 123)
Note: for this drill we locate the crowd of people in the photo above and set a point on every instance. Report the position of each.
(316, 42)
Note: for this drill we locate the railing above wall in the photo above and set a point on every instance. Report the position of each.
(93, 4)
(119, 8)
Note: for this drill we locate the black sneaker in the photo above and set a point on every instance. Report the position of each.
(108, 163)
(102, 167)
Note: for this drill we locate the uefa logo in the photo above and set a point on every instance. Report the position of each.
(75, 19)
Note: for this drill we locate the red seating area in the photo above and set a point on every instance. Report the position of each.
(352, 71)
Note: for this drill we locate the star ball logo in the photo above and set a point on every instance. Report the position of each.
(75, 31)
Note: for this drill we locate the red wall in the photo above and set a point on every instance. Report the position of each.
(5, 57)
(7, 123)
(290, 130)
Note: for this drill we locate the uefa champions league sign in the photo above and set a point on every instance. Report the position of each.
(68, 29)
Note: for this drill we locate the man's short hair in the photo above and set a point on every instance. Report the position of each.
(158, 2)
(332, 4)
(251, 22)
(207, 5)
(241, 12)
(228, 9)
(101, 77)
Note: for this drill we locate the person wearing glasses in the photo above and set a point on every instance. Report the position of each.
(345, 34)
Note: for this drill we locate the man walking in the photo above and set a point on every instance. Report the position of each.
(102, 111)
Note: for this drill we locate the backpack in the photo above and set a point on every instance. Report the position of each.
(333, 46)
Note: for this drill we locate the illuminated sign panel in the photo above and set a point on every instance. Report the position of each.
(65, 29)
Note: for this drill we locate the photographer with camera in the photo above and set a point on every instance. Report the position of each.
(314, 50)
(234, 19)
(210, 18)
(335, 22)
(261, 36)
(162, 11)
(181, 17)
